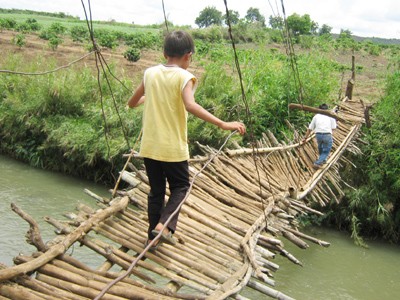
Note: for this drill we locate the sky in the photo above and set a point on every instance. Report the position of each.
(365, 18)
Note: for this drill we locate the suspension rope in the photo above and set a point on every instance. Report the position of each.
(248, 114)
(101, 63)
(50, 71)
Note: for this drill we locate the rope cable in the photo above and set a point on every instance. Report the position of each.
(100, 60)
(50, 71)
(248, 113)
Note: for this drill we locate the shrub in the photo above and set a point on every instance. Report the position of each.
(29, 25)
(7, 23)
(57, 28)
(79, 33)
(54, 42)
(142, 40)
(19, 40)
(106, 39)
(132, 54)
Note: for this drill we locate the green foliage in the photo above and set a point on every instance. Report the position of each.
(106, 38)
(325, 30)
(56, 121)
(57, 28)
(29, 25)
(373, 209)
(79, 33)
(345, 41)
(306, 41)
(54, 42)
(8, 23)
(276, 22)
(269, 87)
(40, 13)
(209, 16)
(234, 17)
(19, 40)
(253, 15)
(211, 34)
(301, 24)
(132, 54)
(143, 40)
(372, 49)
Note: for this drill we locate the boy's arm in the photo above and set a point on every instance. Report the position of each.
(138, 97)
(197, 110)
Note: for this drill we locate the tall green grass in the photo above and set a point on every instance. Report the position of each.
(268, 86)
(56, 121)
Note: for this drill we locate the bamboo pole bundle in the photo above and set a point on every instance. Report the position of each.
(187, 258)
(44, 288)
(18, 292)
(184, 278)
(180, 265)
(87, 292)
(105, 276)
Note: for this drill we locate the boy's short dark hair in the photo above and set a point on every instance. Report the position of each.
(178, 43)
(323, 106)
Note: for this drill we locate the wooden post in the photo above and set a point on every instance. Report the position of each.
(350, 83)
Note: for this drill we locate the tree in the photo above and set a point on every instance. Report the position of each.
(345, 33)
(254, 15)
(325, 29)
(234, 17)
(276, 22)
(301, 24)
(209, 16)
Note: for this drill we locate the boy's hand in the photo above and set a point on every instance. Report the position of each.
(240, 127)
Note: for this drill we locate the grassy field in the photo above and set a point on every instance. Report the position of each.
(46, 21)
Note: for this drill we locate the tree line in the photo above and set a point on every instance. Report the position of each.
(297, 24)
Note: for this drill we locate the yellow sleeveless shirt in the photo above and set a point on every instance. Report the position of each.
(164, 114)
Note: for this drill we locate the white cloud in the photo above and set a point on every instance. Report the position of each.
(362, 17)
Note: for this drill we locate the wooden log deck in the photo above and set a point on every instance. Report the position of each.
(240, 211)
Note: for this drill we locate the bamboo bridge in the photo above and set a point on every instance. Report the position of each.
(240, 211)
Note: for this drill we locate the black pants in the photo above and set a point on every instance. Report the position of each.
(158, 172)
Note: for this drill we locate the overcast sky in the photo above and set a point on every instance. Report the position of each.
(362, 17)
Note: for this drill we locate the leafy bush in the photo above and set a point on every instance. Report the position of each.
(143, 40)
(79, 33)
(132, 54)
(29, 25)
(8, 23)
(57, 28)
(19, 40)
(54, 42)
(106, 38)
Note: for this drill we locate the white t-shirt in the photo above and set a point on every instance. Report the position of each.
(322, 124)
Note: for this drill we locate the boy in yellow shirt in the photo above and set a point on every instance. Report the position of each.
(167, 92)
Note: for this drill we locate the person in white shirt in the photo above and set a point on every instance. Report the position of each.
(322, 125)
